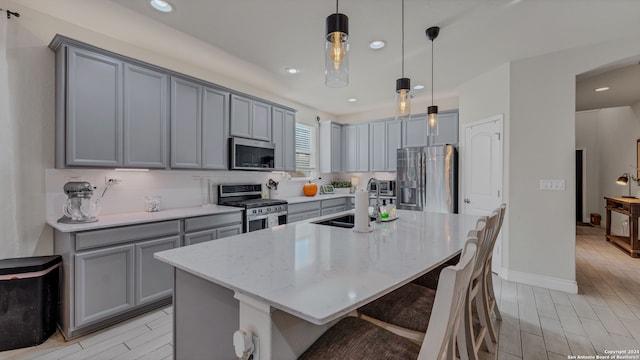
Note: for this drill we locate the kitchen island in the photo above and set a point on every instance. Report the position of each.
(288, 284)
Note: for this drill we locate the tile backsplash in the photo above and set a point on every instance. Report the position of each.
(177, 188)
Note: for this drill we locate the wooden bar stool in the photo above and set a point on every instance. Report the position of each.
(356, 339)
(490, 303)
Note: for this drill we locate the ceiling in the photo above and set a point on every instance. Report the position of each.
(476, 36)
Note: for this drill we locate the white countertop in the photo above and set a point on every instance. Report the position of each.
(320, 273)
(139, 217)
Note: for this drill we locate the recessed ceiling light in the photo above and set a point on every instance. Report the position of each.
(605, 88)
(352, 100)
(418, 87)
(161, 5)
(376, 44)
(291, 70)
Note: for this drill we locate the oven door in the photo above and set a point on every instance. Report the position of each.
(259, 222)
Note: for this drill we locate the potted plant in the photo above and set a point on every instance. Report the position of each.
(341, 187)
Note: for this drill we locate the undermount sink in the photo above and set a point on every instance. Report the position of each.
(344, 221)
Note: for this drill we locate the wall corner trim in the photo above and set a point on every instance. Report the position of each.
(540, 281)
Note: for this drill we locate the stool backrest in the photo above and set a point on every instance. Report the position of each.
(439, 341)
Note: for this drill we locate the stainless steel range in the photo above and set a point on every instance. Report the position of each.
(259, 213)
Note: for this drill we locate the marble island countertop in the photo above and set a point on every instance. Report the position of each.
(320, 273)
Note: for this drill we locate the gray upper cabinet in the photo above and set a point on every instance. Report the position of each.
(241, 116)
(363, 148)
(330, 148)
(283, 135)
(261, 121)
(447, 129)
(93, 128)
(414, 132)
(250, 118)
(385, 139)
(356, 138)
(146, 118)
(378, 145)
(393, 143)
(199, 130)
(215, 129)
(350, 135)
(186, 124)
(113, 111)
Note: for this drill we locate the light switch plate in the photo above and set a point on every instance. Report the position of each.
(552, 184)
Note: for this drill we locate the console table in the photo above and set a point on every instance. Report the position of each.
(631, 208)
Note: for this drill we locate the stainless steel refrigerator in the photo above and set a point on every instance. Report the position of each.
(427, 179)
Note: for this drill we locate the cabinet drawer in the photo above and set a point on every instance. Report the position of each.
(302, 207)
(92, 239)
(333, 202)
(210, 221)
(333, 210)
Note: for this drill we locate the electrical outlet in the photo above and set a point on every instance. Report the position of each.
(112, 181)
(552, 185)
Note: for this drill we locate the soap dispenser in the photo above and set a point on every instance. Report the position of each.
(392, 209)
(384, 211)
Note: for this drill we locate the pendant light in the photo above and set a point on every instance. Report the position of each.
(403, 86)
(432, 111)
(336, 50)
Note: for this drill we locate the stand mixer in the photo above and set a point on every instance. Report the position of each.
(79, 207)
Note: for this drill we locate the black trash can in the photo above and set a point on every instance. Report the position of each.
(28, 300)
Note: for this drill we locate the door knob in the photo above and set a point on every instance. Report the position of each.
(466, 201)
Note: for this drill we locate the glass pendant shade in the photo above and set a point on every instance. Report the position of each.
(336, 51)
(403, 100)
(432, 121)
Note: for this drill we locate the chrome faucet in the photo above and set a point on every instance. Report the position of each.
(376, 210)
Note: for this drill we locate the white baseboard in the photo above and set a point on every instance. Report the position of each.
(540, 281)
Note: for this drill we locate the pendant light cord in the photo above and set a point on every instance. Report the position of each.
(337, 6)
(403, 38)
(431, 72)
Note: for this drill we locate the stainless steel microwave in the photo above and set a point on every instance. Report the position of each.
(248, 154)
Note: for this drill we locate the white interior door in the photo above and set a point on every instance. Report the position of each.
(482, 172)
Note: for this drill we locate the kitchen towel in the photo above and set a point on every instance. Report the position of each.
(362, 212)
(272, 220)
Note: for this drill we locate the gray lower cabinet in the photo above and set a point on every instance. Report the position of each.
(333, 206)
(110, 273)
(211, 227)
(303, 211)
(250, 118)
(283, 135)
(312, 209)
(104, 283)
(154, 279)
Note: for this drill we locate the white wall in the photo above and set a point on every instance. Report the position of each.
(481, 98)
(610, 136)
(541, 233)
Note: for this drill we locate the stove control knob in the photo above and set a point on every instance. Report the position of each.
(268, 209)
(254, 211)
(259, 210)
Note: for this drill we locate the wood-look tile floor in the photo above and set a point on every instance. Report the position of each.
(538, 323)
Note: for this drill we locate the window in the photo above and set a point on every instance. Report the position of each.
(305, 151)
